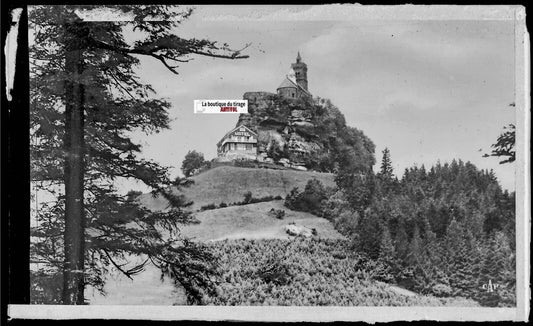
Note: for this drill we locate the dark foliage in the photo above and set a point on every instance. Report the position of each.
(303, 272)
(193, 161)
(85, 102)
(277, 213)
(505, 145)
(310, 200)
(434, 231)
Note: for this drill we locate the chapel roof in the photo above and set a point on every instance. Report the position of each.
(288, 83)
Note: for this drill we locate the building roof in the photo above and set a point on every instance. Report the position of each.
(287, 83)
(234, 129)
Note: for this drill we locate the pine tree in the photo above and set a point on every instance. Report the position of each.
(498, 267)
(401, 242)
(462, 267)
(387, 257)
(369, 235)
(85, 102)
(414, 252)
(386, 169)
(505, 145)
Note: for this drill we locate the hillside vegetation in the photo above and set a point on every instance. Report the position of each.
(306, 272)
(254, 221)
(228, 184)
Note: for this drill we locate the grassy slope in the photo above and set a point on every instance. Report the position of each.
(228, 184)
(253, 221)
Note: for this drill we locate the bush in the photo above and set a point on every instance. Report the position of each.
(247, 197)
(274, 271)
(243, 163)
(278, 213)
(278, 197)
(222, 205)
(193, 161)
(310, 200)
(261, 199)
(208, 207)
(441, 290)
(46, 287)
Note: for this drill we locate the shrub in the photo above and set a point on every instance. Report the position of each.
(278, 197)
(46, 287)
(310, 200)
(441, 290)
(274, 271)
(208, 207)
(193, 161)
(261, 199)
(277, 213)
(247, 197)
(222, 205)
(244, 163)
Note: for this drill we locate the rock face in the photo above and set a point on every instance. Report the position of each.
(298, 231)
(283, 125)
(304, 133)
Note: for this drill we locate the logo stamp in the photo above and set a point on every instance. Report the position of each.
(490, 287)
(221, 106)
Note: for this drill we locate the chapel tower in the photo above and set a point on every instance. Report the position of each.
(300, 70)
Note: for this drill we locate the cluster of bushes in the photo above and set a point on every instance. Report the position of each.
(208, 207)
(246, 163)
(277, 213)
(311, 200)
(248, 199)
(303, 272)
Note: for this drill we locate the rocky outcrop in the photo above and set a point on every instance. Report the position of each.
(298, 231)
(308, 132)
(282, 123)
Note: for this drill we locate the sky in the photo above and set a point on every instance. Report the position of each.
(429, 90)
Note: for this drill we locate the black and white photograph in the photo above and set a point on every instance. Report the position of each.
(306, 157)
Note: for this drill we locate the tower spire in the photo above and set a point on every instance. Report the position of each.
(300, 70)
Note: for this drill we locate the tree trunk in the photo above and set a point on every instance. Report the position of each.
(74, 237)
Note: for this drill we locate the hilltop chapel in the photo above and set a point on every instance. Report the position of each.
(241, 141)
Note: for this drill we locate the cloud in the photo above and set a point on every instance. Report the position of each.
(351, 12)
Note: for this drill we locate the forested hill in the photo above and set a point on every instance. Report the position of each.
(312, 132)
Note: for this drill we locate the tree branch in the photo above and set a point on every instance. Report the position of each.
(128, 273)
(172, 43)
